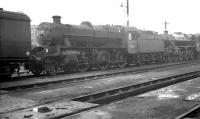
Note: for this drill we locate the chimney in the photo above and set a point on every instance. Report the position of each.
(57, 19)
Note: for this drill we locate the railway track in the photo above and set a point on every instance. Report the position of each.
(26, 75)
(132, 90)
(18, 88)
(112, 95)
(194, 113)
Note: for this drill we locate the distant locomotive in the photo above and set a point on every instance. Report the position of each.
(15, 41)
(81, 47)
(188, 45)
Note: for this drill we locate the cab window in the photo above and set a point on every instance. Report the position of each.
(129, 36)
(132, 36)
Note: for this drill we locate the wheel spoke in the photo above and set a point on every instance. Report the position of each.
(123, 62)
(36, 69)
(52, 69)
(104, 61)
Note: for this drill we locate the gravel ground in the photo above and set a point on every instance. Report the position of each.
(9, 103)
(70, 91)
(165, 103)
(47, 111)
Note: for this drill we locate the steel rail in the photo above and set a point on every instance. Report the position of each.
(110, 96)
(27, 77)
(19, 88)
(135, 89)
(194, 113)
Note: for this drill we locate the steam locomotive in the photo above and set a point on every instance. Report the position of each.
(69, 48)
(82, 47)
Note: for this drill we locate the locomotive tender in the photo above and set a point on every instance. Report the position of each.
(81, 47)
(15, 41)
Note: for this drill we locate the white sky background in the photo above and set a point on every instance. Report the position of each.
(182, 15)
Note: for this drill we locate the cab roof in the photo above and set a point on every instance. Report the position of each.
(13, 15)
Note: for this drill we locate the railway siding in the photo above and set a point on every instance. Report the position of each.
(165, 103)
(89, 87)
(63, 108)
(23, 83)
(156, 103)
(48, 108)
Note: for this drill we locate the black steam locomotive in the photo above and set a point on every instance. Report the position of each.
(69, 48)
(81, 47)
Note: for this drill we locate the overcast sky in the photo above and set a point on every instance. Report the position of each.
(182, 15)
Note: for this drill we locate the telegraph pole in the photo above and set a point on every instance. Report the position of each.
(165, 23)
(127, 10)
